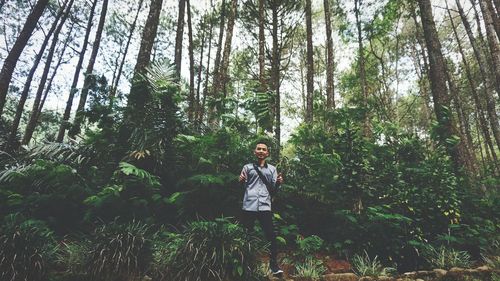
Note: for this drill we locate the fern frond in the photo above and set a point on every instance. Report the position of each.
(10, 173)
(60, 152)
(160, 75)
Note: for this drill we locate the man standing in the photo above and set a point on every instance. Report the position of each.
(261, 181)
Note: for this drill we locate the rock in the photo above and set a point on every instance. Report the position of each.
(439, 272)
(472, 271)
(366, 278)
(340, 277)
(483, 268)
(418, 279)
(425, 274)
(411, 275)
(455, 272)
(386, 278)
(456, 269)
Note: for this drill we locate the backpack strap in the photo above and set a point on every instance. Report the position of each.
(268, 185)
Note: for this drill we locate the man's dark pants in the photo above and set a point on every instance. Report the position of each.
(266, 221)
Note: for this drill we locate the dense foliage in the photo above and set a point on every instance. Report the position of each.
(144, 180)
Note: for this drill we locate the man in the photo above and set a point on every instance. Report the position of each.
(257, 198)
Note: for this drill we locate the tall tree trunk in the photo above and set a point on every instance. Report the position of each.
(197, 108)
(227, 47)
(207, 72)
(362, 70)
(262, 42)
(496, 4)
(480, 35)
(29, 79)
(437, 76)
(494, 16)
(472, 84)
(221, 78)
(56, 68)
(275, 77)
(212, 111)
(492, 42)
(114, 87)
(139, 92)
(88, 73)
(191, 100)
(30, 128)
(424, 69)
(330, 63)
(10, 61)
(178, 37)
(76, 76)
(310, 64)
(483, 69)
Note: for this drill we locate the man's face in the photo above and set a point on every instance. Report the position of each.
(261, 151)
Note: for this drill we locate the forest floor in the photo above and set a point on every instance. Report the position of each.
(341, 270)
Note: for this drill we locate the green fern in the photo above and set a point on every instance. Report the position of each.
(160, 75)
(129, 169)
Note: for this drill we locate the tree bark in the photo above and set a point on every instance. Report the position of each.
(472, 84)
(76, 76)
(483, 69)
(437, 76)
(494, 17)
(227, 46)
(207, 72)
(88, 73)
(275, 69)
(197, 108)
(191, 100)
(262, 42)
(114, 87)
(215, 75)
(30, 128)
(178, 37)
(221, 78)
(310, 64)
(362, 70)
(330, 63)
(139, 92)
(424, 69)
(10, 61)
(492, 42)
(29, 79)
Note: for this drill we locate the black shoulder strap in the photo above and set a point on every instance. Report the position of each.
(269, 187)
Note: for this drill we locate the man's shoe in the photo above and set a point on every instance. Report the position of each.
(275, 270)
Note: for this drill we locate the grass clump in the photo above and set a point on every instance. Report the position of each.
(26, 247)
(363, 265)
(446, 258)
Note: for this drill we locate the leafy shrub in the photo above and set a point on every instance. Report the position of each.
(310, 268)
(446, 258)
(119, 252)
(214, 250)
(309, 245)
(363, 265)
(26, 247)
(131, 193)
(45, 190)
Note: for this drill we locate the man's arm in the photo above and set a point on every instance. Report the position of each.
(277, 178)
(243, 174)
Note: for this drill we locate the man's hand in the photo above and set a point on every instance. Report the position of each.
(243, 176)
(279, 179)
